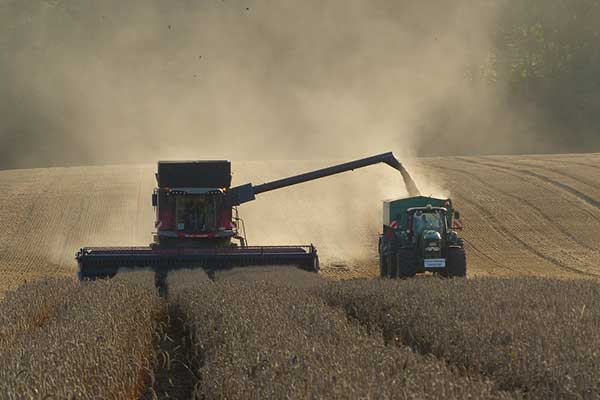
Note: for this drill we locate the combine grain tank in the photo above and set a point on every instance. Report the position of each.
(197, 222)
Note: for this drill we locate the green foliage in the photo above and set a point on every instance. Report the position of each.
(547, 52)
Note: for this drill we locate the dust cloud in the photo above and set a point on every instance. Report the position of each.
(89, 82)
(341, 214)
(258, 81)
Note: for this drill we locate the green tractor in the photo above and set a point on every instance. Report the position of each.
(419, 235)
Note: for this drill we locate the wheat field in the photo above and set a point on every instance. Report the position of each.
(523, 326)
(523, 215)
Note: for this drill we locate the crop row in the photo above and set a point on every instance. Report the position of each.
(62, 339)
(539, 337)
(254, 338)
(269, 332)
(276, 274)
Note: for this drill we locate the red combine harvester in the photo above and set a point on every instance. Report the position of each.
(197, 221)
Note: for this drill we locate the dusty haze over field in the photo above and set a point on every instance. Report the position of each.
(111, 81)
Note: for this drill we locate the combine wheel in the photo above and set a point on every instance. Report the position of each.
(406, 263)
(456, 263)
(316, 265)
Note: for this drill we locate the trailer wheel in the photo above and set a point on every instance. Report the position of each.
(456, 263)
(406, 261)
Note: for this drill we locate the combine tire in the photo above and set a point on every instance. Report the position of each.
(406, 263)
(456, 264)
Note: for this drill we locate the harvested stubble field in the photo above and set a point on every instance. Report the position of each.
(509, 332)
(524, 215)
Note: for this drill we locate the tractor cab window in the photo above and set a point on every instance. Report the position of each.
(431, 220)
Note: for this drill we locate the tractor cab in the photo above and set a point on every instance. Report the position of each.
(422, 219)
(427, 227)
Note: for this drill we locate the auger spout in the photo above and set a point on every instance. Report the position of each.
(245, 193)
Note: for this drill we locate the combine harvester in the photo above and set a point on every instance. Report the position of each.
(197, 219)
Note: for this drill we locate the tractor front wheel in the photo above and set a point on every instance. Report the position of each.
(456, 263)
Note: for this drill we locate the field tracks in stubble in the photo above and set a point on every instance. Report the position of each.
(506, 231)
(522, 199)
(545, 167)
(579, 163)
(497, 164)
(481, 253)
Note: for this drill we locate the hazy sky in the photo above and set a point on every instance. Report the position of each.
(134, 81)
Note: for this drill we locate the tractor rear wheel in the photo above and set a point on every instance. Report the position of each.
(456, 263)
(392, 266)
(383, 266)
(386, 257)
(387, 265)
(406, 263)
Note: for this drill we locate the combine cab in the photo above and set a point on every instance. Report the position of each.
(197, 222)
(419, 235)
